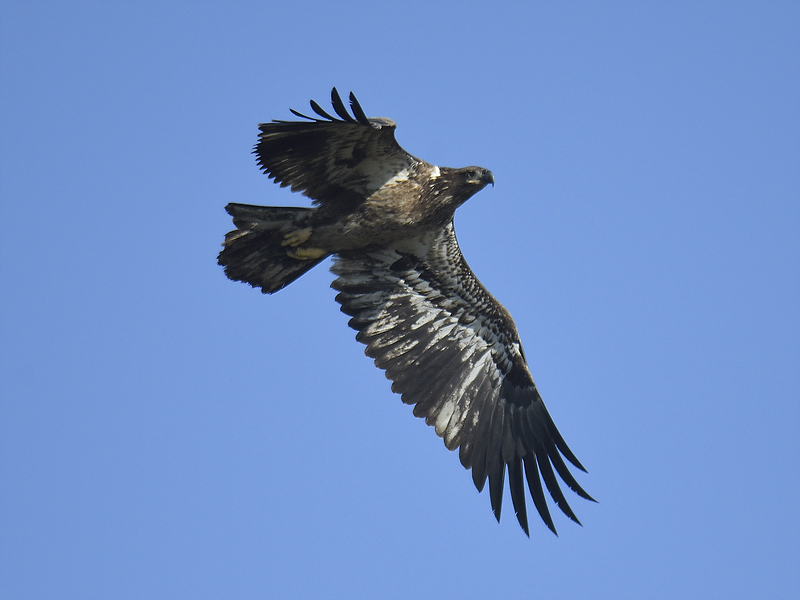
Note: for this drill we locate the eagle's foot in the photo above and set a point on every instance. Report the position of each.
(297, 237)
(306, 253)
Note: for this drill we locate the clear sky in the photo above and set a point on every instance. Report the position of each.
(167, 433)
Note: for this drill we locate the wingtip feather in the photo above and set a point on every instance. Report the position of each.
(339, 106)
(359, 113)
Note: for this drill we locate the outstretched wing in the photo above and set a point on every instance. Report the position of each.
(453, 352)
(341, 159)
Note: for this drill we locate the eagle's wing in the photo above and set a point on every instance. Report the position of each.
(326, 158)
(453, 351)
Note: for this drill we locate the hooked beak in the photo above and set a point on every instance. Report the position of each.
(482, 177)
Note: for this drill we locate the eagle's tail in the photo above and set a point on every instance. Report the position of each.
(255, 252)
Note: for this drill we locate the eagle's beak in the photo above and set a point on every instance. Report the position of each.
(488, 177)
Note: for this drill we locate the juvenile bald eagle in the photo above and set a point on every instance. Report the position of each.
(448, 346)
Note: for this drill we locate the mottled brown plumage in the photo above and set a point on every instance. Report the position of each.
(449, 347)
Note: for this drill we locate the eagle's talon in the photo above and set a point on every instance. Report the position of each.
(306, 253)
(297, 237)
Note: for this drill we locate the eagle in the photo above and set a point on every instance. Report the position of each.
(449, 347)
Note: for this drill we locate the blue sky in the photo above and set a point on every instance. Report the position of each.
(167, 433)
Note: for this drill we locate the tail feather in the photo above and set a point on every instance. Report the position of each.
(253, 252)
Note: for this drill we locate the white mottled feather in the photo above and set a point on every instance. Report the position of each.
(452, 350)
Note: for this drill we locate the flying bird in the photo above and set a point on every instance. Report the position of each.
(449, 348)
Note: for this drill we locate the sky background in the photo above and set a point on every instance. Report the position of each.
(167, 433)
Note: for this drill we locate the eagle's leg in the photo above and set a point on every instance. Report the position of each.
(296, 237)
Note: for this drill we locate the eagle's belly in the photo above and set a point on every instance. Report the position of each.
(359, 230)
(393, 213)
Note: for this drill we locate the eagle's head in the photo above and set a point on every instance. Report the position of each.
(450, 188)
(466, 182)
(476, 177)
